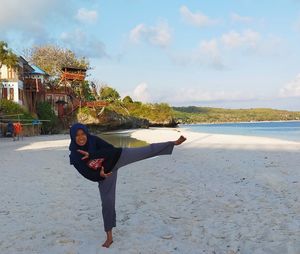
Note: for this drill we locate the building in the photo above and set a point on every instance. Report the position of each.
(12, 81)
(34, 87)
(24, 84)
(28, 84)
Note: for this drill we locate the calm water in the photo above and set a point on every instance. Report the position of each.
(122, 140)
(281, 130)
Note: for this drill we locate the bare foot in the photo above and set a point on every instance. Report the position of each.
(180, 140)
(107, 243)
(109, 239)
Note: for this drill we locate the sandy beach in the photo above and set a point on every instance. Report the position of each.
(215, 194)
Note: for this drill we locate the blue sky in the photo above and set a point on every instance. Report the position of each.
(232, 54)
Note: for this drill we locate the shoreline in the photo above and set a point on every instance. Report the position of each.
(211, 138)
(248, 131)
(213, 123)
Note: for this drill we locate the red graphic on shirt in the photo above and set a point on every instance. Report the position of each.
(95, 164)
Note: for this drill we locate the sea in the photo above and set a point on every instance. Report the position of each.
(287, 130)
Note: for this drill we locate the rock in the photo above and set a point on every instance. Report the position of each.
(167, 237)
(232, 252)
(175, 217)
(167, 123)
(4, 212)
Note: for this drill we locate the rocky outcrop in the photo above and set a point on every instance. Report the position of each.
(110, 120)
(165, 123)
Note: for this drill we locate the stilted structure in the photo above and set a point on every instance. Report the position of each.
(63, 97)
(66, 96)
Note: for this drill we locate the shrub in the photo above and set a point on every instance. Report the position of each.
(45, 112)
(8, 107)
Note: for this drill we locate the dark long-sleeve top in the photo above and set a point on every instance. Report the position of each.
(101, 149)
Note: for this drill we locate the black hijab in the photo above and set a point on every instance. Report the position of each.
(75, 157)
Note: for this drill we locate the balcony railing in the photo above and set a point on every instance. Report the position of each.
(73, 76)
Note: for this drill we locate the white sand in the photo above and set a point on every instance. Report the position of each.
(215, 194)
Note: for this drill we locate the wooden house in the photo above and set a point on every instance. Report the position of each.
(23, 84)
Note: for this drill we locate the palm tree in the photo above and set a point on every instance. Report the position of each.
(8, 58)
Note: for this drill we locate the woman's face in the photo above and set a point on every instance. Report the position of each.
(80, 138)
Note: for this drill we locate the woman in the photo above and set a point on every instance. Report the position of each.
(99, 161)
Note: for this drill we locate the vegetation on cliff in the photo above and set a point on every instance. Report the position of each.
(126, 112)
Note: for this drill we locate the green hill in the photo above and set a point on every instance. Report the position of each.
(194, 114)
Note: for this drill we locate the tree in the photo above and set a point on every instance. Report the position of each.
(109, 94)
(127, 99)
(84, 92)
(96, 86)
(7, 57)
(51, 58)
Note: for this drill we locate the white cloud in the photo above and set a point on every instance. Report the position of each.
(191, 94)
(30, 22)
(254, 43)
(236, 18)
(210, 49)
(291, 89)
(159, 35)
(247, 38)
(194, 95)
(141, 93)
(137, 33)
(207, 54)
(26, 17)
(86, 16)
(83, 44)
(197, 19)
(27, 11)
(214, 52)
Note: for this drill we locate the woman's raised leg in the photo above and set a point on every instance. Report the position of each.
(130, 155)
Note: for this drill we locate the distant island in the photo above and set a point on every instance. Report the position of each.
(193, 114)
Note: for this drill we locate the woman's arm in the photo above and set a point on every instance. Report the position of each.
(88, 173)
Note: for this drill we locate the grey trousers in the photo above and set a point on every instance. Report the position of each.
(107, 187)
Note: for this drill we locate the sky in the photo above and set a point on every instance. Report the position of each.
(229, 54)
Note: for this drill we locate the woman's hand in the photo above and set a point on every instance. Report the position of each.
(103, 174)
(85, 153)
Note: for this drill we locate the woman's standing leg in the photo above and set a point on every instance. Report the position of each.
(107, 190)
